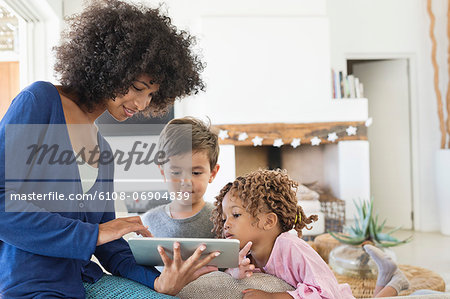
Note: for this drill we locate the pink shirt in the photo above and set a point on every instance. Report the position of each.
(297, 263)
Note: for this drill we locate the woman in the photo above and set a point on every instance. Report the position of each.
(117, 57)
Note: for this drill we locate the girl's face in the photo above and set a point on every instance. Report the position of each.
(137, 99)
(238, 224)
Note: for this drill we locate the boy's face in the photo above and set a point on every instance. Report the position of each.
(238, 223)
(189, 173)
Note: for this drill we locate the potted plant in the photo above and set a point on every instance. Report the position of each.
(350, 259)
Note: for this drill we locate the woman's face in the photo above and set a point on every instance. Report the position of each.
(137, 99)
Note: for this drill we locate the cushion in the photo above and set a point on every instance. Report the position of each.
(115, 287)
(220, 285)
(304, 193)
(310, 206)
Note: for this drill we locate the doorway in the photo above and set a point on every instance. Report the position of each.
(387, 88)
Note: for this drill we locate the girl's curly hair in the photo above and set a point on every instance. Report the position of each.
(111, 43)
(265, 191)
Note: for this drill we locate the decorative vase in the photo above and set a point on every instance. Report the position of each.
(353, 261)
(442, 179)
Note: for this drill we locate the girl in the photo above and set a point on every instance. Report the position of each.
(259, 209)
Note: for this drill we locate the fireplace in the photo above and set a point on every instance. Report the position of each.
(342, 165)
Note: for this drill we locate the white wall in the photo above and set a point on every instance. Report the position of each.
(265, 63)
(71, 7)
(253, 50)
(226, 174)
(392, 29)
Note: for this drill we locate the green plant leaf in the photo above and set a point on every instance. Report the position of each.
(356, 229)
(353, 233)
(372, 230)
(346, 239)
(364, 210)
(357, 226)
(351, 242)
(380, 228)
(368, 217)
(374, 226)
(387, 237)
(376, 222)
(392, 244)
(394, 230)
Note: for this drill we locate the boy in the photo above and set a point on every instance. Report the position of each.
(192, 150)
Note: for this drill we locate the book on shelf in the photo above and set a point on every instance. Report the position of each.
(361, 90)
(351, 86)
(357, 90)
(345, 86)
(336, 84)
(333, 91)
(341, 85)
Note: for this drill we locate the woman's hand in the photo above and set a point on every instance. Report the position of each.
(115, 229)
(178, 273)
(245, 268)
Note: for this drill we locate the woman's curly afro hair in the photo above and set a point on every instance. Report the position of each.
(111, 43)
(265, 191)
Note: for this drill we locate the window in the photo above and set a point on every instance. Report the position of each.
(9, 25)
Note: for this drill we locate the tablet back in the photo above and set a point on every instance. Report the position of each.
(146, 253)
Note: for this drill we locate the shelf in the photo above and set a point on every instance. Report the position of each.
(304, 131)
(350, 109)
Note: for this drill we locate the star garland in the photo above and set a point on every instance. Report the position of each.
(296, 142)
(257, 141)
(223, 134)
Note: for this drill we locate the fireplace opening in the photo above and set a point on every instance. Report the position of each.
(304, 164)
(274, 157)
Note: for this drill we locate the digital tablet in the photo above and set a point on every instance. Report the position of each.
(145, 250)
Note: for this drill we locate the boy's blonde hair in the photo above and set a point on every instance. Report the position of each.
(181, 135)
(265, 191)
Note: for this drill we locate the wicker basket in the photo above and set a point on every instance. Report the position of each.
(419, 278)
(334, 211)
